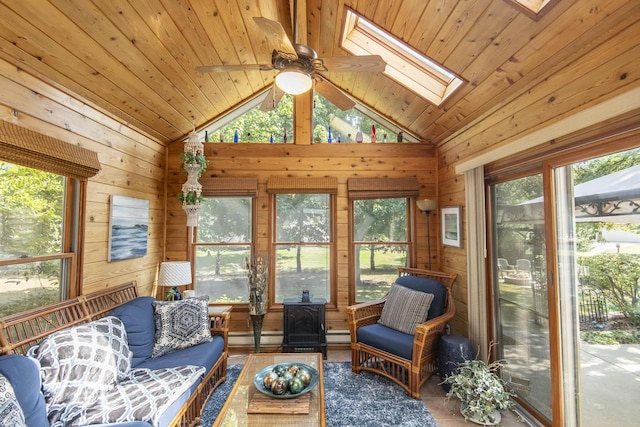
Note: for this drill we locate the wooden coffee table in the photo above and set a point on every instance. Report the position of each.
(236, 409)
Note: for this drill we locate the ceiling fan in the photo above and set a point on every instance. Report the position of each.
(298, 67)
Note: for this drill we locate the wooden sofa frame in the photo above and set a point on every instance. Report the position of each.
(21, 331)
(409, 374)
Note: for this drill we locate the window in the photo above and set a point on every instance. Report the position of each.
(380, 244)
(42, 184)
(32, 229)
(405, 65)
(252, 124)
(346, 123)
(223, 244)
(302, 245)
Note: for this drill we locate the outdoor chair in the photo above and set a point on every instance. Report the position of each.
(405, 353)
(504, 267)
(523, 266)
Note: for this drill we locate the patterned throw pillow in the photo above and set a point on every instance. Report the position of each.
(11, 414)
(80, 362)
(181, 324)
(405, 309)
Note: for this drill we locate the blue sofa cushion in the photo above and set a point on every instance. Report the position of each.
(205, 355)
(137, 316)
(24, 375)
(386, 339)
(430, 286)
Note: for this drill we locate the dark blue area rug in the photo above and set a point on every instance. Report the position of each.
(362, 400)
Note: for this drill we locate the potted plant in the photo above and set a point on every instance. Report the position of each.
(481, 391)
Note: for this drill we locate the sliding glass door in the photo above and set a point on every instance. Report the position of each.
(565, 250)
(520, 290)
(598, 242)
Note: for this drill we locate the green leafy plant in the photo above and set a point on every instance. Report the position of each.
(480, 389)
(199, 158)
(618, 276)
(190, 198)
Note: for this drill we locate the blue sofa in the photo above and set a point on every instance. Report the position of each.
(136, 315)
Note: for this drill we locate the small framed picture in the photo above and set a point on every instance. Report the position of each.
(452, 226)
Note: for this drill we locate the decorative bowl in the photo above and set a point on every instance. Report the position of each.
(258, 380)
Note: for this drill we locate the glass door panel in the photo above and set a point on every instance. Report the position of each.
(598, 235)
(520, 289)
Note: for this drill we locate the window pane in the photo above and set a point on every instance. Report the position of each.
(302, 267)
(224, 243)
(29, 285)
(380, 220)
(380, 245)
(225, 220)
(521, 293)
(31, 225)
(302, 218)
(221, 273)
(377, 268)
(31, 203)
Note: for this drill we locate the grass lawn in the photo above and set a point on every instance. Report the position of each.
(230, 285)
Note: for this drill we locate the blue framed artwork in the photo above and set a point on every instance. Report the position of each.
(128, 228)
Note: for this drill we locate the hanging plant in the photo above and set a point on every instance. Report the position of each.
(190, 198)
(191, 158)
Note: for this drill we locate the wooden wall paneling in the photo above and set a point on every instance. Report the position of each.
(455, 30)
(407, 19)
(317, 160)
(94, 86)
(136, 30)
(132, 164)
(195, 47)
(434, 15)
(223, 45)
(510, 78)
(496, 17)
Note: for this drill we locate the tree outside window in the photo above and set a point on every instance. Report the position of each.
(302, 245)
(224, 242)
(380, 244)
(31, 233)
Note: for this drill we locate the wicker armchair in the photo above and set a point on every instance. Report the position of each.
(409, 360)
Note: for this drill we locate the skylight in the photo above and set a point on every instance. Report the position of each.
(534, 8)
(405, 65)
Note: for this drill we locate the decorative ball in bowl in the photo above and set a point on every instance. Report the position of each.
(286, 380)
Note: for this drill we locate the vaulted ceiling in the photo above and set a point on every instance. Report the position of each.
(137, 59)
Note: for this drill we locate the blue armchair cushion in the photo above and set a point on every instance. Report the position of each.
(180, 324)
(10, 411)
(405, 309)
(439, 291)
(24, 375)
(386, 339)
(137, 316)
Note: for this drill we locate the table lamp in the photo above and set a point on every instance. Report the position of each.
(173, 274)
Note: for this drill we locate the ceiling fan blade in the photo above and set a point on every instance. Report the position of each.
(367, 63)
(277, 37)
(273, 98)
(334, 95)
(232, 68)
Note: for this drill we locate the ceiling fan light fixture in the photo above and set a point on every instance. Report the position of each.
(294, 82)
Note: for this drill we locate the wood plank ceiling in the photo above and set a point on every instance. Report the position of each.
(137, 59)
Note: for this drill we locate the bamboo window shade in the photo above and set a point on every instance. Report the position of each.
(25, 147)
(230, 187)
(287, 185)
(378, 188)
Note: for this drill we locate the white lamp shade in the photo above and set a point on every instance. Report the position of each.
(294, 81)
(427, 205)
(174, 273)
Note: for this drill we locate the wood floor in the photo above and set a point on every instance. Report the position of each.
(432, 394)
